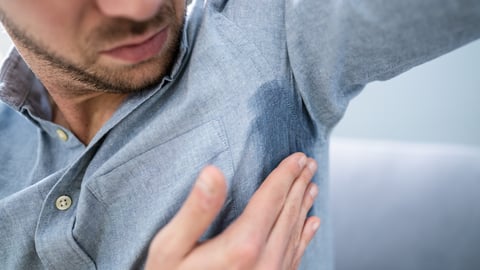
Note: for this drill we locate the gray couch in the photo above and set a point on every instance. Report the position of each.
(405, 206)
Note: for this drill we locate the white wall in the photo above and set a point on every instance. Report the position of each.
(5, 42)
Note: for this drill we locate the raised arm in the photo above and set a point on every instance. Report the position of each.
(337, 46)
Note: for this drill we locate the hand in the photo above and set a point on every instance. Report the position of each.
(271, 233)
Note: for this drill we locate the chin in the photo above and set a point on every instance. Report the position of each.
(133, 78)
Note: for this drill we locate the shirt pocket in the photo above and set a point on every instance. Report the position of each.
(159, 179)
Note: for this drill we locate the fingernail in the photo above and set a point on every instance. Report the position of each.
(312, 166)
(315, 225)
(313, 191)
(302, 161)
(205, 183)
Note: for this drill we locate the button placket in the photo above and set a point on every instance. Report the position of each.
(54, 235)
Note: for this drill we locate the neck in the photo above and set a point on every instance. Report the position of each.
(84, 115)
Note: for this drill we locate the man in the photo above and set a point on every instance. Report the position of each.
(101, 58)
(123, 105)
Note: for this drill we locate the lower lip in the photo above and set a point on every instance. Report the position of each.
(140, 52)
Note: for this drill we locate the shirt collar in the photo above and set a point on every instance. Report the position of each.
(21, 90)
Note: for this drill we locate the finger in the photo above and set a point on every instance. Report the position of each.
(284, 237)
(309, 229)
(308, 199)
(264, 207)
(181, 234)
(291, 221)
(290, 254)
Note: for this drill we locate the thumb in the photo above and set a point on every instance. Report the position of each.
(181, 234)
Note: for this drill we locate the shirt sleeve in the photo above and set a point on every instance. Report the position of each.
(335, 47)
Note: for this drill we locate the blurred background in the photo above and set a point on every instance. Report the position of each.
(437, 102)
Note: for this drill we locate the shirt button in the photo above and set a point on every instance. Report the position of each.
(63, 202)
(62, 135)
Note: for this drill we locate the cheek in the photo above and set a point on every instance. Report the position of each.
(53, 25)
(64, 26)
(180, 10)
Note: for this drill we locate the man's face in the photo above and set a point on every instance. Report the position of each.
(106, 45)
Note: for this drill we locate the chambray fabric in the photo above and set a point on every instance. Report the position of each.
(255, 81)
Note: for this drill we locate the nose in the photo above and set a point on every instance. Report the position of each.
(137, 10)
